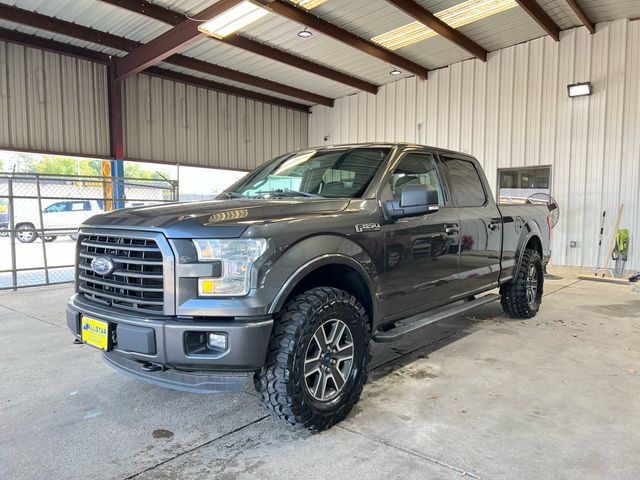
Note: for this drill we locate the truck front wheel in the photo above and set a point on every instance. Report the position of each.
(317, 361)
(26, 233)
(521, 298)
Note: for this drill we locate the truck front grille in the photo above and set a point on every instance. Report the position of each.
(136, 282)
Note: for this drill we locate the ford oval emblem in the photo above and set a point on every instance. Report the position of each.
(102, 265)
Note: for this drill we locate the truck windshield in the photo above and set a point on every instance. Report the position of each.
(333, 173)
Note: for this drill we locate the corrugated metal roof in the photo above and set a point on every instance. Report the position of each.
(213, 51)
(58, 38)
(561, 13)
(282, 33)
(366, 18)
(96, 14)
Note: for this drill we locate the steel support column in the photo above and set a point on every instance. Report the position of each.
(116, 137)
(117, 174)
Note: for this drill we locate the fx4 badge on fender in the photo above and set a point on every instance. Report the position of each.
(367, 227)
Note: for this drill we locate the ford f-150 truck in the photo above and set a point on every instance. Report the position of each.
(292, 272)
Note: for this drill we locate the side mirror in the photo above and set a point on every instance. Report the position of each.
(415, 200)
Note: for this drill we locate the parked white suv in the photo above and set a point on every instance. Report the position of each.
(59, 218)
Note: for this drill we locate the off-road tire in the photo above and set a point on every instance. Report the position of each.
(281, 383)
(24, 227)
(514, 294)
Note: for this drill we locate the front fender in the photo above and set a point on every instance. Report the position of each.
(314, 252)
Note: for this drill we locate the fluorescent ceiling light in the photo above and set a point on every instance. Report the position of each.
(579, 89)
(308, 4)
(456, 17)
(233, 20)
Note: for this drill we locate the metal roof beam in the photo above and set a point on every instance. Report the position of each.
(541, 17)
(305, 18)
(577, 9)
(170, 17)
(221, 87)
(53, 46)
(92, 35)
(62, 27)
(149, 9)
(298, 62)
(241, 77)
(428, 19)
(169, 43)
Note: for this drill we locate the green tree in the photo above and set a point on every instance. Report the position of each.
(134, 170)
(67, 166)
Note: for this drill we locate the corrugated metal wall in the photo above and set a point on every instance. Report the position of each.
(52, 102)
(168, 121)
(514, 111)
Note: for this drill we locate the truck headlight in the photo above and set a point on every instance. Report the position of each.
(237, 257)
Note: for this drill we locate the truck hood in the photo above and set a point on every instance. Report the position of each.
(216, 218)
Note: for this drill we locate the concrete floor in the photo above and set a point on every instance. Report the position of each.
(479, 396)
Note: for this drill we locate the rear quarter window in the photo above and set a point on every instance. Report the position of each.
(464, 181)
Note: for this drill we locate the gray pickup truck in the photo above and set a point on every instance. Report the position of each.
(293, 271)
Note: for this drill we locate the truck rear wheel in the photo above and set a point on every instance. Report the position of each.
(521, 298)
(317, 361)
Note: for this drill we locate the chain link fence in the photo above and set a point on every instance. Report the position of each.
(40, 215)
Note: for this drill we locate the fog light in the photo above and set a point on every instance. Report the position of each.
(218, 341)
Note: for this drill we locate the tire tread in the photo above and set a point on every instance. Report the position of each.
(279, 386)
(513, 295)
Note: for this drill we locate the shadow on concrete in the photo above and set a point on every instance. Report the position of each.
(389, 357)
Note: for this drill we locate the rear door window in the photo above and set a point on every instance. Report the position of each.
(465, 183)
(80, 206)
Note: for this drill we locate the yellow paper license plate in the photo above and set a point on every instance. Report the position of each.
(95, 332)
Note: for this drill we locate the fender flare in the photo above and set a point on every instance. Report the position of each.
(315, 263)
(522, 246)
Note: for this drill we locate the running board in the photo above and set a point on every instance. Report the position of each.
(411, 324)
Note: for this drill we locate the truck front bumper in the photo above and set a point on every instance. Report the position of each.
(172, 351)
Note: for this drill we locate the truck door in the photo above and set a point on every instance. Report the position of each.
(480, 225)
(421, 253)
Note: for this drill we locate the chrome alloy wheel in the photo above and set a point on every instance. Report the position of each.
(329, 360)
(532, 284)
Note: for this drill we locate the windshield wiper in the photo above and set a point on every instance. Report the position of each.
(287, 192)
(229, 195)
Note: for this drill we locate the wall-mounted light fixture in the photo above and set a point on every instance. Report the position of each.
(579, 89)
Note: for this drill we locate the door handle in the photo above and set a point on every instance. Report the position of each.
(494, 225)
(452, 228)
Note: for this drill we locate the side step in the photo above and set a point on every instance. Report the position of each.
(411, 324)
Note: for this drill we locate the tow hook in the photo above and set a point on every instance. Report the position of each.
(151, 367)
